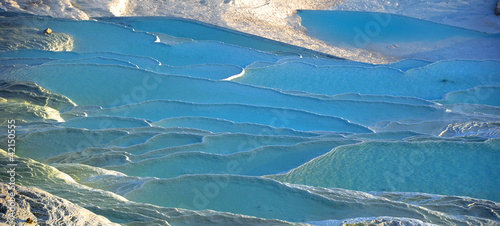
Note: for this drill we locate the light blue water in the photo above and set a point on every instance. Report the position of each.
(486, 95)
(200, 31)
(145, 132)
(428, 82)
(359, 29)
(225, 126)
(448, 163)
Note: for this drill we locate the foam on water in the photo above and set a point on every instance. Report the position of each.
(483, 129)
(428, 127)
(372, 221)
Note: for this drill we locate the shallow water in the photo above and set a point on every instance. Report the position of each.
(140, 130)
(362, 28)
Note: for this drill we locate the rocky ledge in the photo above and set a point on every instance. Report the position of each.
(21, 205)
